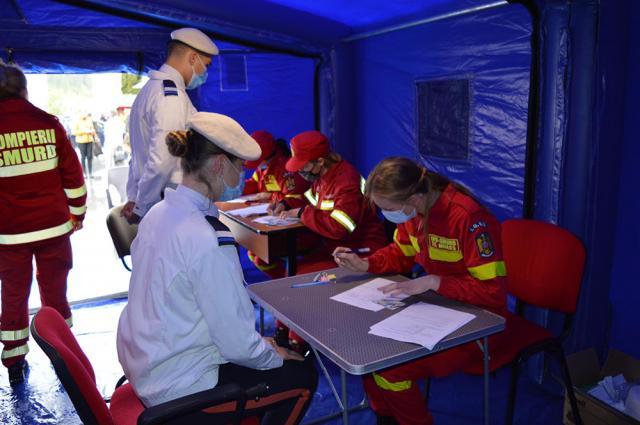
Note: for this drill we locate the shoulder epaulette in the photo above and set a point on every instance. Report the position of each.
(225, 237)
(170, 88)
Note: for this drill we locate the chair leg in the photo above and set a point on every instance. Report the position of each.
(566, 377)
(513, 388)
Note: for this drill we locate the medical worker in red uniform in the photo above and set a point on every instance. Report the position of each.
(336, 208)
(270, 182)
(42, 201)
(457, 241)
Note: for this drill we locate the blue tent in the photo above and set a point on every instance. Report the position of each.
(536, 109)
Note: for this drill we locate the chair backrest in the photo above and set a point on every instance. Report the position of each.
(73, 368)
(122, 233)
(117, 178)
(544, 264)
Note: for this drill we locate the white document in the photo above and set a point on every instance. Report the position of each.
(421, 323)
(244, 198)
(367, 295)
(271, 220)
(252, 210)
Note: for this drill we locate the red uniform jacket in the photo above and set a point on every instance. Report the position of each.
(41, 183)
(339, 212)
(462, 246)
(283, 185)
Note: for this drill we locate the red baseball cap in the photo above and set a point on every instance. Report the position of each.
(306, 147)
(267, 145)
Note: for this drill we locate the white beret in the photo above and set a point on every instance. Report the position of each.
(196, 39)
(225, 133)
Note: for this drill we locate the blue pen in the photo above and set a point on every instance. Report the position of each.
(312, 283)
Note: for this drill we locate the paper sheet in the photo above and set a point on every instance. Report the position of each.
(367, 295)
(271, 220)
(421, 323)
(252, 210)
(243, 199)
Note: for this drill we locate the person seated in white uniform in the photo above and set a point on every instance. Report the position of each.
(189, 324)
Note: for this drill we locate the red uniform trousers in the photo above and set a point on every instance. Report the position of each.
(395, 392)
(53, 262)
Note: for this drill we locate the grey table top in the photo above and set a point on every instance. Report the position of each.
(340, 331)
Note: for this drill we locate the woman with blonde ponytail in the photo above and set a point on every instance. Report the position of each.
(441, 227)
(189, 322)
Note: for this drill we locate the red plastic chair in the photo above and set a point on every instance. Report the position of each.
(76, 374)
(544, 269)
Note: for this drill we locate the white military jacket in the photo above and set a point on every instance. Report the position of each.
(161, 106)
(188, 310)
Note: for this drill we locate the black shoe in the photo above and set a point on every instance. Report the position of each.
(385, 420)
(17, 372)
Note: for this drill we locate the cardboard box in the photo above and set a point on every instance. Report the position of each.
(586, 372)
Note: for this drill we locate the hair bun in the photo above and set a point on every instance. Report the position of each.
(178, 143)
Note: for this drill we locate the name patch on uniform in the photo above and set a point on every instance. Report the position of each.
(484, 244)
(443, 243)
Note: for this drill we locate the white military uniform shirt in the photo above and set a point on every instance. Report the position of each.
(161, 106)
(188, 310)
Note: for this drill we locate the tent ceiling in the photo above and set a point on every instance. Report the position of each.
(302, 25)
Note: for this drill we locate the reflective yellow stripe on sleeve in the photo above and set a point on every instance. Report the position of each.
(342, 218)
(77, 210)
(29, 168)
(488, 271)
(326, 205)
(271, 183)
(15, 352)
(407, 250)
(295, 196)
(255, 176)
(391, 386)
(76, 193)
(311, 197)
(38, 235)
(16, 335)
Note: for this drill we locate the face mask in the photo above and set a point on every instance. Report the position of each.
(197, 79)
(309, 176)
(399, 216)
(229, 193)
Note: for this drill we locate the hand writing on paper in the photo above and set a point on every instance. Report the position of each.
(344, 257)
(290, 213)
(275, 209)
(413, 287)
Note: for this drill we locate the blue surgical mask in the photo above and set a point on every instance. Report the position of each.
(399, 216)
(197, 79)
(228, 192)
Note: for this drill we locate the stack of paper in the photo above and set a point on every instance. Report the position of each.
(244, 198)
(252, 210)
(368, 295)
(421, 323)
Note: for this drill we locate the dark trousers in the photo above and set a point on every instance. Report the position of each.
(86, 156)
(291, 388)
(53, 262)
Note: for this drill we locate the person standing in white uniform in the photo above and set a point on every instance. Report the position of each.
(163, 106)
(189, 323)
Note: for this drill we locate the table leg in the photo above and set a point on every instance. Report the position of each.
(485, 343)
(345, 410)
(292, 258)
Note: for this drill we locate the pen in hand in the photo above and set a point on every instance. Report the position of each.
(364, 250)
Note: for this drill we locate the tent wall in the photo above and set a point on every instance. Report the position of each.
(625, 290)
(279, 95)
(490, 48)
